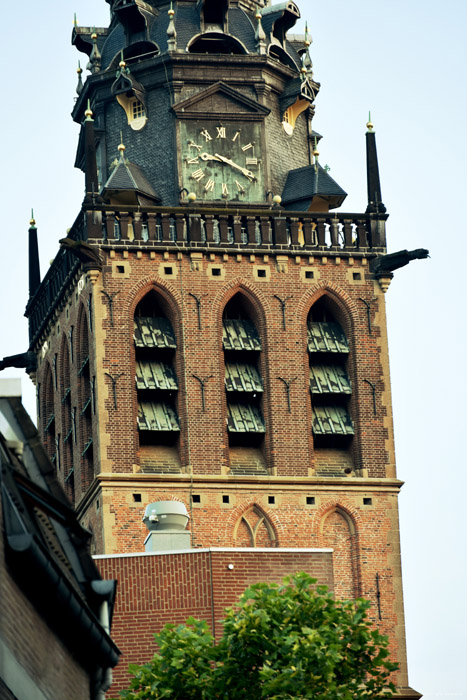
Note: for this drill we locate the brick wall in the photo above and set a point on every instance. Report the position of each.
(154, 589)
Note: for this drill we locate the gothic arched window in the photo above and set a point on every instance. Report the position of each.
(244, 388)
(254, 530)
(156, 385)
(330, 385)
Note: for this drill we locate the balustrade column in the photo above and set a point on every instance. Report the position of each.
(195, 228)
(151, 227)
(362, 235)
(165, 224)
(237, 229)
(308, 232)
(251, 231)
(110, 225)
(266, 237)
(348, 242)
(334, 233)
(294, 231)
(280, 230)
(321, 230)
(124, 225)
(209, 227)
(138, 227)
(180, 227)
(224, 229)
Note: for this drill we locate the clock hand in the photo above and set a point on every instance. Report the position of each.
(244, 171)
(208, 156)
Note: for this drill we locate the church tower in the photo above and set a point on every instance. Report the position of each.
(212, 330)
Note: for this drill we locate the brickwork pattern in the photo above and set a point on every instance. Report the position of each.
(156, 589)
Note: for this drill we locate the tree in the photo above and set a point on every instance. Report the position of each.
(292, 642)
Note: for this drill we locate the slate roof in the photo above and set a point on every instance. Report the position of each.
(128, 177)
(307, 182)
(45, 546)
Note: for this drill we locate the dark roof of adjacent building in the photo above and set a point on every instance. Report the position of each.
(303, 184)
(45, 546)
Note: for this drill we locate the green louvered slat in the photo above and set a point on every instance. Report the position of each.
(240, 334)
(244, 418)
(155, 375)
(154, 332)
(326, 337)
(329, 379)
(331, 420)
(240, 376)
(157, 416)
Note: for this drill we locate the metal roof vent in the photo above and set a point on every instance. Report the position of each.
(166, 522)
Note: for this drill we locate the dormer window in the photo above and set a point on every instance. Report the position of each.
(134, 110)
(214, 15)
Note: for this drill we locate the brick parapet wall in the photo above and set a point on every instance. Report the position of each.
(154, 589)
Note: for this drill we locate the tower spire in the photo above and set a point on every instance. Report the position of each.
(34, 269)
(375, 203)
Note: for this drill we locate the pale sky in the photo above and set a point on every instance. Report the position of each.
(406, 62)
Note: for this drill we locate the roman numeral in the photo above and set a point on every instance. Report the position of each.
(209, 186)
(198, 175)
(247, 147)
(225, 191)
(240, 187)
(192, 161)
(252, 161)
(206, 135)
(237, 134)
(220, 132)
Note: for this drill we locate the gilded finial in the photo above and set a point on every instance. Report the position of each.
(171, 11)
(121, 146)
(369, 124)
(315, 149)
(32, 222)
(307, 41)
(75, 21)
(88, 112)
(122, 63)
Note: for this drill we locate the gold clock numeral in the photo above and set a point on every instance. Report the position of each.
(209, 186)
(206, 135)
(240, 187)
(198, 175)
(220, 132)
(192, 144)
(247, 147)
(252, 161)
(225, 191)
(237, 134)
(192, 161)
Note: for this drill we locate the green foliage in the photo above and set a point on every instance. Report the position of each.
(287, 642)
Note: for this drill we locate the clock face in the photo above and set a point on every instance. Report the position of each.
(222, 161)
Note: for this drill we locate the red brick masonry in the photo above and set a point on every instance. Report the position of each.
(154, 589)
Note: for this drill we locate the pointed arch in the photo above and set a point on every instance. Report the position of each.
(244, 386)
(66, 438)
(329, 345)
(338, 530)
(254, 529)
(48, 411)
(155, 358)
(84, 407)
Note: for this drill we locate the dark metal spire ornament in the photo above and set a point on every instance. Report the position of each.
(375, 204)
(79, 87)
(34, 268)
